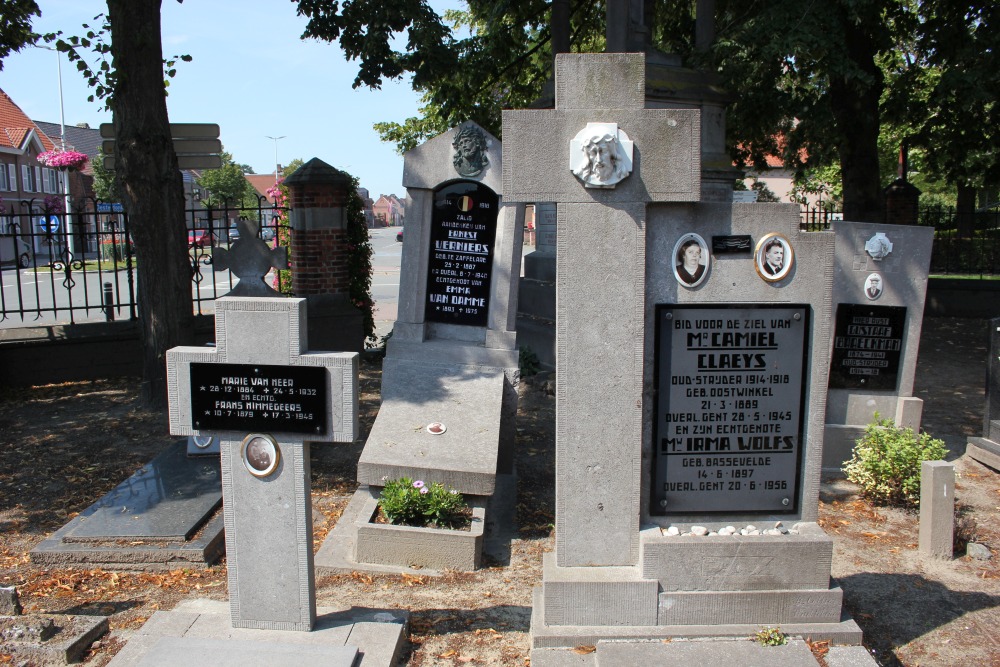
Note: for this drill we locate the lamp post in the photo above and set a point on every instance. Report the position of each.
(62, 140)
(275, 140)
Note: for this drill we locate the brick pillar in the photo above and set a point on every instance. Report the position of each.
(901, 199)
(318, 195)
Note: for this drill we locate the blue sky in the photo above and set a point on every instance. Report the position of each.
(251, 74)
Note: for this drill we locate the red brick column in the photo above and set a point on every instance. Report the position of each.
(318, 195)
(901, 200)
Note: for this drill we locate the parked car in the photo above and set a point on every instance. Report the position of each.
(234, 234)
(399, 236)
(13, 250)
(200, 238)
(267, 233)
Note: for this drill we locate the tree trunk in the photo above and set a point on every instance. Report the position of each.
(150, 182)
(854, 101)
(965, 211)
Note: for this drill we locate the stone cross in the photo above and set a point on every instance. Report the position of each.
(250, 259)
(266, 398)
(600, 286)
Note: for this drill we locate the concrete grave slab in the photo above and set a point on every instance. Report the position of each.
(167, 515)
(467, 400)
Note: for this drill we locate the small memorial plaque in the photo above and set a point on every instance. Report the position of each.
(463, 229)
(257, 397)
(867, 346)
(729, 418)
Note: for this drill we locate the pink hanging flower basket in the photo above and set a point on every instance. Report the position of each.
(63, 159)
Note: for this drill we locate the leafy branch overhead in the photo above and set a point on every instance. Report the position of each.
(101, 77)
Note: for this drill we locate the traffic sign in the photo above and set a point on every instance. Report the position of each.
(49, 225)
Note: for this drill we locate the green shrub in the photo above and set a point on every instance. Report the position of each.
(528, 361)
(886, 462)
(413, 503)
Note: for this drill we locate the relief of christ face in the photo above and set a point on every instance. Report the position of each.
(602, 160)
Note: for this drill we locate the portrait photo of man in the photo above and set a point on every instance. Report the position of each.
(774, 257)
(873, 286)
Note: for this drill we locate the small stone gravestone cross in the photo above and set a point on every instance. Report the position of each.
(266, 398)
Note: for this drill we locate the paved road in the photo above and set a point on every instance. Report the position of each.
(385, 277)
(39, 290)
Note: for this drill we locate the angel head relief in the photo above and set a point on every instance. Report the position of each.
(600, 155)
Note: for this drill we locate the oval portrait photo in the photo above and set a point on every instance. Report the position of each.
(774, 257)
(260, 454)
(691, 260)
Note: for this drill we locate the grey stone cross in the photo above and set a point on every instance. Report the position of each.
(250, 259)
(600, 285)
(266, 398)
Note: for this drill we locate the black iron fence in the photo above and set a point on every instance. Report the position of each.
(963, 246)
(81, 266)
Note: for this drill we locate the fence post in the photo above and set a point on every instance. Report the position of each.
(109, 302)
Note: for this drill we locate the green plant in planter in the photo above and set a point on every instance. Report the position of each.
(886, 462)
(410, 502)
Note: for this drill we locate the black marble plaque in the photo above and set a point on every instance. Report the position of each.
(460, 261)
(257, 397)
(722, 245)
(867, 346)
(729, 421)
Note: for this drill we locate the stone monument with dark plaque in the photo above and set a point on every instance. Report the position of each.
(986, 449)
(449, 378)
(693, 341)
(266, 398)
(879, 289)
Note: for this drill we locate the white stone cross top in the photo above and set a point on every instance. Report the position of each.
(266, 398)
(600, 280)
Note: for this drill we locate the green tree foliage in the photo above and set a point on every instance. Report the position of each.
(811, 81)
(104, 181)
(502, 63)
(227, 184)
(15, 26)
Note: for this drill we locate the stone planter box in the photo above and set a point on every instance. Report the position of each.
(433, 548)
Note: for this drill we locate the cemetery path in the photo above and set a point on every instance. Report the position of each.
(67, 445)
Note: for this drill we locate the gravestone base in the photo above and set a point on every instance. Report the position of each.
(166, 516)
(687, 586)
(335, 323)
(66, 639)
(984, 450)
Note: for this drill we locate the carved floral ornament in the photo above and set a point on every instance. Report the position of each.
(600, 155)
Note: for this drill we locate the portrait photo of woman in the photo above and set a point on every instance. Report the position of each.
(260, 454)
(774, 257)
(691, 259)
